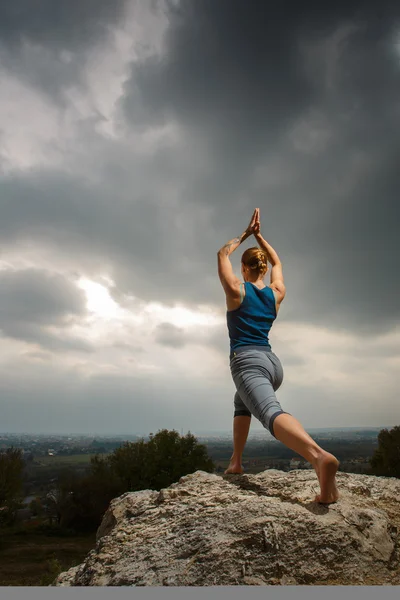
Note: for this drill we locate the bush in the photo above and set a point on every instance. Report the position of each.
(159, 462)
(11, 470)
(133, 466)
(386, 459)
(53, 570)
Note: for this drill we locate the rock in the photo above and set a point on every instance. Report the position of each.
(260, 529)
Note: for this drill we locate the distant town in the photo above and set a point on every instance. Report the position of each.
(36, 445)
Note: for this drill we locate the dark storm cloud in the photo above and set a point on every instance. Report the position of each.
(32, 300)
(292, 107)
(240, 77)
(237, 70)
(47, 340)
(59, 24)
(36, 296)
(33, 36)
(120, 225)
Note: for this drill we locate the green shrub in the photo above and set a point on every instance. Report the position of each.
(386, 459)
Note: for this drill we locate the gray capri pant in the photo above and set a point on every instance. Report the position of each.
(257, 373)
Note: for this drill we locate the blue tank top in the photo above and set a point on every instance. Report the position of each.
(251, 322)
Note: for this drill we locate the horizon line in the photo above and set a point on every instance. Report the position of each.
(200, 431)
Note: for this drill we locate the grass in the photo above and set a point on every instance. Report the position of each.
(29, 558)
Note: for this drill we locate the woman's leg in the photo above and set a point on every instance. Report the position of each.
(241, 426)
(257, 375)
(291, 433)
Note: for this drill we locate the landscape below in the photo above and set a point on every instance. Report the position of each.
(60, 487)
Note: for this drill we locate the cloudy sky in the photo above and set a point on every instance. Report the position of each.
(136, 138)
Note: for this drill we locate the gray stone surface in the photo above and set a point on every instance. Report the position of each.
(260, 529)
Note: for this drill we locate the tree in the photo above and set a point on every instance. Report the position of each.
(130, 463)
(171, 456)
(11, 470)
(159, 462)
(93, 494)
(57, 503)
(82, 502)
(386, 459)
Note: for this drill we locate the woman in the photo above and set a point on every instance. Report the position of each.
(252, 307)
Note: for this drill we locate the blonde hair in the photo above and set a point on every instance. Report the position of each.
(256, 259)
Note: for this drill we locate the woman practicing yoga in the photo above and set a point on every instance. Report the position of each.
(252, 307)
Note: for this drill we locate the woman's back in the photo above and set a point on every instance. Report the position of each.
(250, 323)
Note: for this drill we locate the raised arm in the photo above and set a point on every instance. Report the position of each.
(229, 281)
(277, 283)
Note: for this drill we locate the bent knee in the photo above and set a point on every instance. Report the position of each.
(242, 413)
(270, 423)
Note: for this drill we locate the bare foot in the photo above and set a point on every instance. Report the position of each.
(326, 469)
(234, 469)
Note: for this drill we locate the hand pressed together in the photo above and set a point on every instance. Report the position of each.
(254, 225)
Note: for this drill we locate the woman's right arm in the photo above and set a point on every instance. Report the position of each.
(277, 283)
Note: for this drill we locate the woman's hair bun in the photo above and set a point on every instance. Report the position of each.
(255, 259)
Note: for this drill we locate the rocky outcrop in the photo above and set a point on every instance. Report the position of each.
(248, 530)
